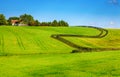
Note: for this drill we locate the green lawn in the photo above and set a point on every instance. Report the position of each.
(51, 58)
(112, 40)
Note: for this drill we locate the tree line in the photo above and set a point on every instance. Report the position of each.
(30, 21)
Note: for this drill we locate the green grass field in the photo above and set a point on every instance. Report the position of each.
(36, 54)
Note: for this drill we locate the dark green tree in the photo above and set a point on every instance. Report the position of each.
(31, 23)
(49, 23)
(27, 19)
(36, 23)
(63, 23)
(2, 20)
(54, 23)
(43, 24)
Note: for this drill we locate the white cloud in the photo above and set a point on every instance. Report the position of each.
(113, 1)
(112, 23)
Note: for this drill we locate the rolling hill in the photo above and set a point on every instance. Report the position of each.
(32, 52)
(33, 40)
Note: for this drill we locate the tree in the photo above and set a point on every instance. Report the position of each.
(49, 23)
(63, 23)
(37, 23)
(31, 23)
(27, 19)
(12, 18)
(2, 20)
(43, 24)
(55, 23)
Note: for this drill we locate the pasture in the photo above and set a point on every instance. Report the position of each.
(31, 52)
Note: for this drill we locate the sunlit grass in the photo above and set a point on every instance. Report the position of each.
(52, 62)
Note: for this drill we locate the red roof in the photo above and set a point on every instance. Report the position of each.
(14, 21)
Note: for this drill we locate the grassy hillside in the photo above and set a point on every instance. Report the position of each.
(28, 40)
(53, 63)
(110, 41)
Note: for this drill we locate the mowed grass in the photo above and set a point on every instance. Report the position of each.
(29, 40)
(55, 59)
(112, 40)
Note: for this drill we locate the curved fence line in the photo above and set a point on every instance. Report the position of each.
(103, 33)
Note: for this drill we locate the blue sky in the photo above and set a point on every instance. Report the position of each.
(101, 13)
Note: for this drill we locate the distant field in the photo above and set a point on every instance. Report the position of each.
(39, 55)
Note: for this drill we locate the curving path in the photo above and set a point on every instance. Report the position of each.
(103, 33)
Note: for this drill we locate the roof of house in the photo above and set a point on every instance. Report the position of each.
(15, 21)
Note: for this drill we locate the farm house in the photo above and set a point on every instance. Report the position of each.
(17, 23)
